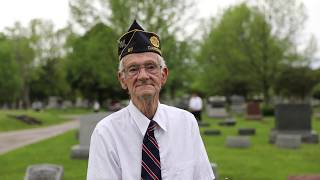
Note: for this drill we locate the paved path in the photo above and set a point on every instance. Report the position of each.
(15, 139)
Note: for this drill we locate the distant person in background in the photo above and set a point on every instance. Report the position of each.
(195, 106)
(96, 106)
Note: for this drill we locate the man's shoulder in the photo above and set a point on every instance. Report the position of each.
(179, 117)
(171, 108)
(113, 118)
(175, 110)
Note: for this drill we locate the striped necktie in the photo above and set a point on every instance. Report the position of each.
(150, 164)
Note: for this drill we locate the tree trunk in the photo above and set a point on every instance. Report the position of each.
(26, 97)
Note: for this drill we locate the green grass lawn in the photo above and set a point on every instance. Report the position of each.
(261, 161)
(55, 150)
(48, 117)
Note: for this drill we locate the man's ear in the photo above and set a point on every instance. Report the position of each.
(121, 79)
(164, 75)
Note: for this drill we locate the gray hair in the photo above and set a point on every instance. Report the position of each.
(160, 60)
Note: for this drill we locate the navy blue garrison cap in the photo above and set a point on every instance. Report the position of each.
(137, 40)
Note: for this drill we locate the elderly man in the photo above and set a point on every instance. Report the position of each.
(147, 139)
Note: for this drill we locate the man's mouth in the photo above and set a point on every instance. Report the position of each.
(143, 85)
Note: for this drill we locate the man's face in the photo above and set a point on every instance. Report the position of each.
(142, 76)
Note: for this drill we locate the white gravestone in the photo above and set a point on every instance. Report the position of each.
(44, 172)
(87, 125)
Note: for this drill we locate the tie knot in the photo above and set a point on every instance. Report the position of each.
(152, 126)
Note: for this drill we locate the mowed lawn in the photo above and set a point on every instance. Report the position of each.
(47, 117)
(55, 150)
(262, 161)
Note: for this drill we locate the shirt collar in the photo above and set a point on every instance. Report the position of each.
(143, 122)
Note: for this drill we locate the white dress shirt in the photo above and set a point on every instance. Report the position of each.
(195, 103)
(116, 146)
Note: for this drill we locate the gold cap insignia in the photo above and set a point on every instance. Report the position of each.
(154, 41)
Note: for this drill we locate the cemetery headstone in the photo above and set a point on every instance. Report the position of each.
(87, 125)
(81, 103)
(246, 131)
(37, 105)
(238, 104)
(288, 141)
(182, 103)
(238, 141)
(78, 102)
(53, 102)
(20, 105)
(44, 172)
(212, 132)
(85, 103)
(5, 106)
(66, 104)
(228, 122)
(203, 124)
(315, 102)
(294, 119)
(216, 107)
(253, 111)
(311, 139)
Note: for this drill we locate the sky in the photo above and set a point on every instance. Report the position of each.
(58, 11)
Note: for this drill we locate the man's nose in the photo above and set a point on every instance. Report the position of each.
(143, 74)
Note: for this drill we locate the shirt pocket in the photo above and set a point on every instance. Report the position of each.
(184, 170)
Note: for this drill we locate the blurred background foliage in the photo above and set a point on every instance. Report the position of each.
(251, 49)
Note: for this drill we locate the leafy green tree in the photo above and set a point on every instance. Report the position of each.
(234, 54)
(38, 52)
(50, 73)
(178, 56)
(167, 18)
(93, 63)
(51, 80)
(287, 18)
(45, 41)
(295, 83)
(23, 55)
(160, 16)
(243, 55)
(10, 80)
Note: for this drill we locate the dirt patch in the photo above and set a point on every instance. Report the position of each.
(26, 119)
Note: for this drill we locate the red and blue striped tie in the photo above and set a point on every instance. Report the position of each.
(150, 164)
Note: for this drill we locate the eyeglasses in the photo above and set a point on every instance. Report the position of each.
(151, 68)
